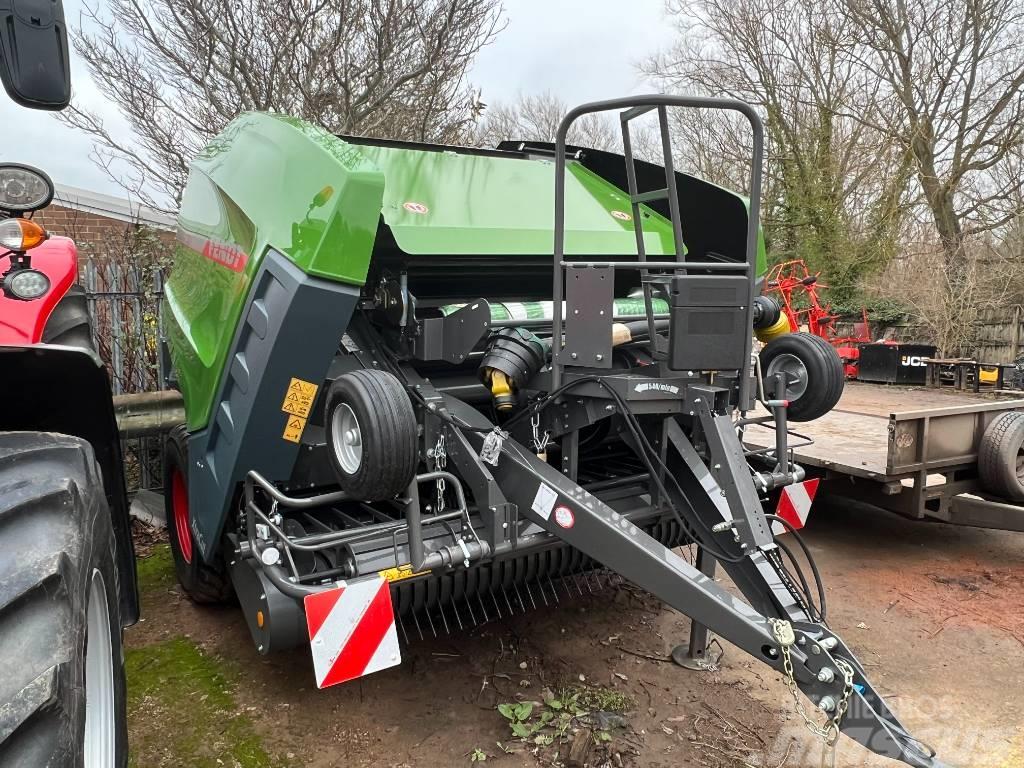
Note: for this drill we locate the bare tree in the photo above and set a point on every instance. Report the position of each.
(954, 75)
(536, 117)
(180, 70)
(834, 188)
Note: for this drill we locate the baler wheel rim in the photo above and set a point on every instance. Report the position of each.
(179, 503)
(347, 438)
(795, 371)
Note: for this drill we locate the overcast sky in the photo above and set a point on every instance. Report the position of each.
(578, 49)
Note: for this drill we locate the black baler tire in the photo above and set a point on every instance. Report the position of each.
(997, 456)
(825, 375)
(68, 323)
(388, 426)
(205, 583)
(55, 533)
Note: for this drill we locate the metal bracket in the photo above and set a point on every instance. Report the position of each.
(589, 299)
(729, 467)
(452, 338)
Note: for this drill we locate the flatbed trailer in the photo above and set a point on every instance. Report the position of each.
(910, 450)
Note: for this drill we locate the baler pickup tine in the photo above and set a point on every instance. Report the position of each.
(553, 590)
(430, 621)
(483, 610)
(419, 630)
(530, 593)
(444, 619)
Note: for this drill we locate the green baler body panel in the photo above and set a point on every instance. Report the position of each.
(487, 204)
(256, 186)
(275, 182)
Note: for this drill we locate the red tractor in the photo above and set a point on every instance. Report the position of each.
(797, 290)
(67, 568)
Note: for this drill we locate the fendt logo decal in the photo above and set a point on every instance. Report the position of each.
(226, 255)
(656, 386)
(912, 361)
(217, 251)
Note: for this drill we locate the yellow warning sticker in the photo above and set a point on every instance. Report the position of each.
(298, 400)
(400, 573)
(293, 428)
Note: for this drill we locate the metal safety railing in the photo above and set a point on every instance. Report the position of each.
(630, 109)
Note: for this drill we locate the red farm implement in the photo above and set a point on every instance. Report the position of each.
(797, 290)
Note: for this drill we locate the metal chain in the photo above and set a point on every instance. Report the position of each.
(540, 444)
(440, 462)
(782, 630)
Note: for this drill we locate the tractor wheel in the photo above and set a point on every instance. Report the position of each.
(68, 324)
(1001, 456)
(203, 582)
(813, 370)
(371, 434)
(62, 684)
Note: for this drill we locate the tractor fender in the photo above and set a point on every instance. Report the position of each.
(22, 322)
(66, 390)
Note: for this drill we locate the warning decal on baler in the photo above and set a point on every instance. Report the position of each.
(400, 573)
(544, 501)
(293, 427)
(298, 400)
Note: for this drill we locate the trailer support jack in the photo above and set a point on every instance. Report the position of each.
(694, 654)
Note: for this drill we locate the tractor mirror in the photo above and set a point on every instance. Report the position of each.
(34, 53)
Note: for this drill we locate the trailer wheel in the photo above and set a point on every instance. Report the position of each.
(68, 323)
(203, 582)
(1001, 456)
(371, 434)
(62, 684)
(813, 370)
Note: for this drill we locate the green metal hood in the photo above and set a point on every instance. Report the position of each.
(498, 203)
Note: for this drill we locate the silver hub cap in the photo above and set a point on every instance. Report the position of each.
(795, 372)
(347, 439)
(100, 720)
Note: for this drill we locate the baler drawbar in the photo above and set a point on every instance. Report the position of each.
(414, 403)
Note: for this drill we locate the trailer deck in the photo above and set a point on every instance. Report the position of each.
(910, 450)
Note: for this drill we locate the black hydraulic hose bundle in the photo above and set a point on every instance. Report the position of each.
(821, 608)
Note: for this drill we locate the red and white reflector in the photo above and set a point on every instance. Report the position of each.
(794, 505)
(352, 630)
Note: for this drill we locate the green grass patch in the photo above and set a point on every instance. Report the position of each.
(182, 711)
(157, 570)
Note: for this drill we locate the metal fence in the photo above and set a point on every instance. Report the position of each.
(125, 308)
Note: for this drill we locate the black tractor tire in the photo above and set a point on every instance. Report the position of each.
(379, 409)
(204, 582)
(1001, 456)
(58, 585)
(68, 324)
(821, 365)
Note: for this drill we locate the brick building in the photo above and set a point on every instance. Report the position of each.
(93, 218)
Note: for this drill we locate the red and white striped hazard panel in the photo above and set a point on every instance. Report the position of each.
(794, 505)
(352, 630)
